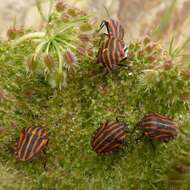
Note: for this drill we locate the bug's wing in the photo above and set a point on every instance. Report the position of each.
(108, 60)
(20, 139)
(41, 145)
(19, 142)
(38, 146)
(38, 137)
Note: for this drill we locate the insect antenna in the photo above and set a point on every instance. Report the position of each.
(104, 22)
(107, 12)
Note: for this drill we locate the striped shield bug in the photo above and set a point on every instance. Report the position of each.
(30, 143)
(111, 53)
(108, 137)
(158, 127)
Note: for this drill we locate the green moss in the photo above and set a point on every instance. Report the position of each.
(72, 115)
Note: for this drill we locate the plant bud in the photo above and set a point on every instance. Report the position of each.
(60, 6)
(151, 59)
(85, 27)
(72, 12)
(13, 33)
(168, 65)
(49, 62)
(149, 49)
(69, 57)
(65, 17)
(146, 41)
(31, 64)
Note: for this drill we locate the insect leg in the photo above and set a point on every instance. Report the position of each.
(123, 60)
(103, 23)
(152, 145)
(44, 160)
(126, 49)
(45, 164)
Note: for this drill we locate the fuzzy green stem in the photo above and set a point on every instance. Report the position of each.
(71, 24)
(50, 9)
(29, 36)
(39, 7)
(60, 57)
(38, 49)
(66, 43)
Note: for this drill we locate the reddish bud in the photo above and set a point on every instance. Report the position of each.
(146, 41)
(60, 6)
(49, 62)
(151, 59)
(65, 17)
(149, 49)
(12, 33)
(168, 65)
(69, 57)
(31, 64)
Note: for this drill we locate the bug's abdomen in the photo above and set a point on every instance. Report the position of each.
(109, 137)
(30, 142)
(159, 127)
(110, 53)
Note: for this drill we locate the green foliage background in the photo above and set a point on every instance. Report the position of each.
(73, 114)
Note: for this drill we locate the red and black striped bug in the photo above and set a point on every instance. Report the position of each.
(111, 53)
(158, 127)
(30, 143)
(108, 137)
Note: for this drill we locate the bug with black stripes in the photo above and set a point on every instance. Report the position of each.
(111, 53)
(158, 127)
(30, 143)
(110, 136)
